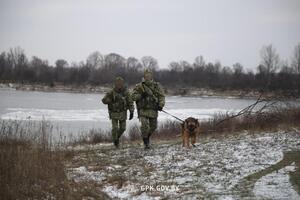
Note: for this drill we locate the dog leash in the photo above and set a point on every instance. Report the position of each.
(173, 116)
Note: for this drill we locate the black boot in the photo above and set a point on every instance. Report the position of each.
(146, 143)
(116, 143)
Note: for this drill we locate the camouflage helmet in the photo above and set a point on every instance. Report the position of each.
(119, 78)
(119, 81)
(147, 71)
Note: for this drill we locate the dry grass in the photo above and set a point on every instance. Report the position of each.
(30, 165)
(275, 119)
(93, 136)
(134, 133)
(167, 130)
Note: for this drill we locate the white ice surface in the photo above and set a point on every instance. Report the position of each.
(97, 114)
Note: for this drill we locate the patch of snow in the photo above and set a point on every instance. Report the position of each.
(89, 146)
(122, 193)
(155, 160)
(81, 173)
(182, 180)
(276, 186)
(144, 196)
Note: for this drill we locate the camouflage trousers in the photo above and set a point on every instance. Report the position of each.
(148, 126)
(118, 128)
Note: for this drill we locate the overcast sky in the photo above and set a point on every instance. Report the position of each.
(227, 31)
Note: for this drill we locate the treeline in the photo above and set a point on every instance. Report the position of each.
(98, 69)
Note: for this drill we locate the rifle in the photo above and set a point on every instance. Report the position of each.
(156, 99)
(148, 88)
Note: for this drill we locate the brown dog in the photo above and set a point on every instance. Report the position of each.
(190, 129)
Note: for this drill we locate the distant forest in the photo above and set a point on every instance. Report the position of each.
(271, 74)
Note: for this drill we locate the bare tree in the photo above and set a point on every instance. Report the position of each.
(199, 62)
(37, 62)
(175, 66)
(114, 60)
(296, 59)
(226, 70)
(16, 57)
(99, 69)
(5, 71)
(95, 60)
(148, 62)
(217, 66)
(238, 68)
(60, 73)
(40, 70)
(186, 66)
(285, 68)
(269, 59)
(133, 63)
(261, 69)
(61, 63)
(270, 62)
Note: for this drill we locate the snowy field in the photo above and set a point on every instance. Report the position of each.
(248, 166)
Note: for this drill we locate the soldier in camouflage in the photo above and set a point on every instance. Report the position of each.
(150, 99)
(119, 101)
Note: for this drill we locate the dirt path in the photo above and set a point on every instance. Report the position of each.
(246, 185)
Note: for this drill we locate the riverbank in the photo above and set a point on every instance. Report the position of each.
(243, 164)
(254, 157)
(174, 91)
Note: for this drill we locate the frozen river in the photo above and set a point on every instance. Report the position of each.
(77, 112)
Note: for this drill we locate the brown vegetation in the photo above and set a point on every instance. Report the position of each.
(32, 166)
(29, 166)
(277, 118)
(272, 120)
(93, 136)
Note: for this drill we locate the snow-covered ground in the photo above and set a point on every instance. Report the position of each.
(219, 167)
(276, 181)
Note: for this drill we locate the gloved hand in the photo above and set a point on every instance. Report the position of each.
(131, 116)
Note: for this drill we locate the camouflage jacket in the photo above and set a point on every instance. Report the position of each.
(148, 97)
(118, 103)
